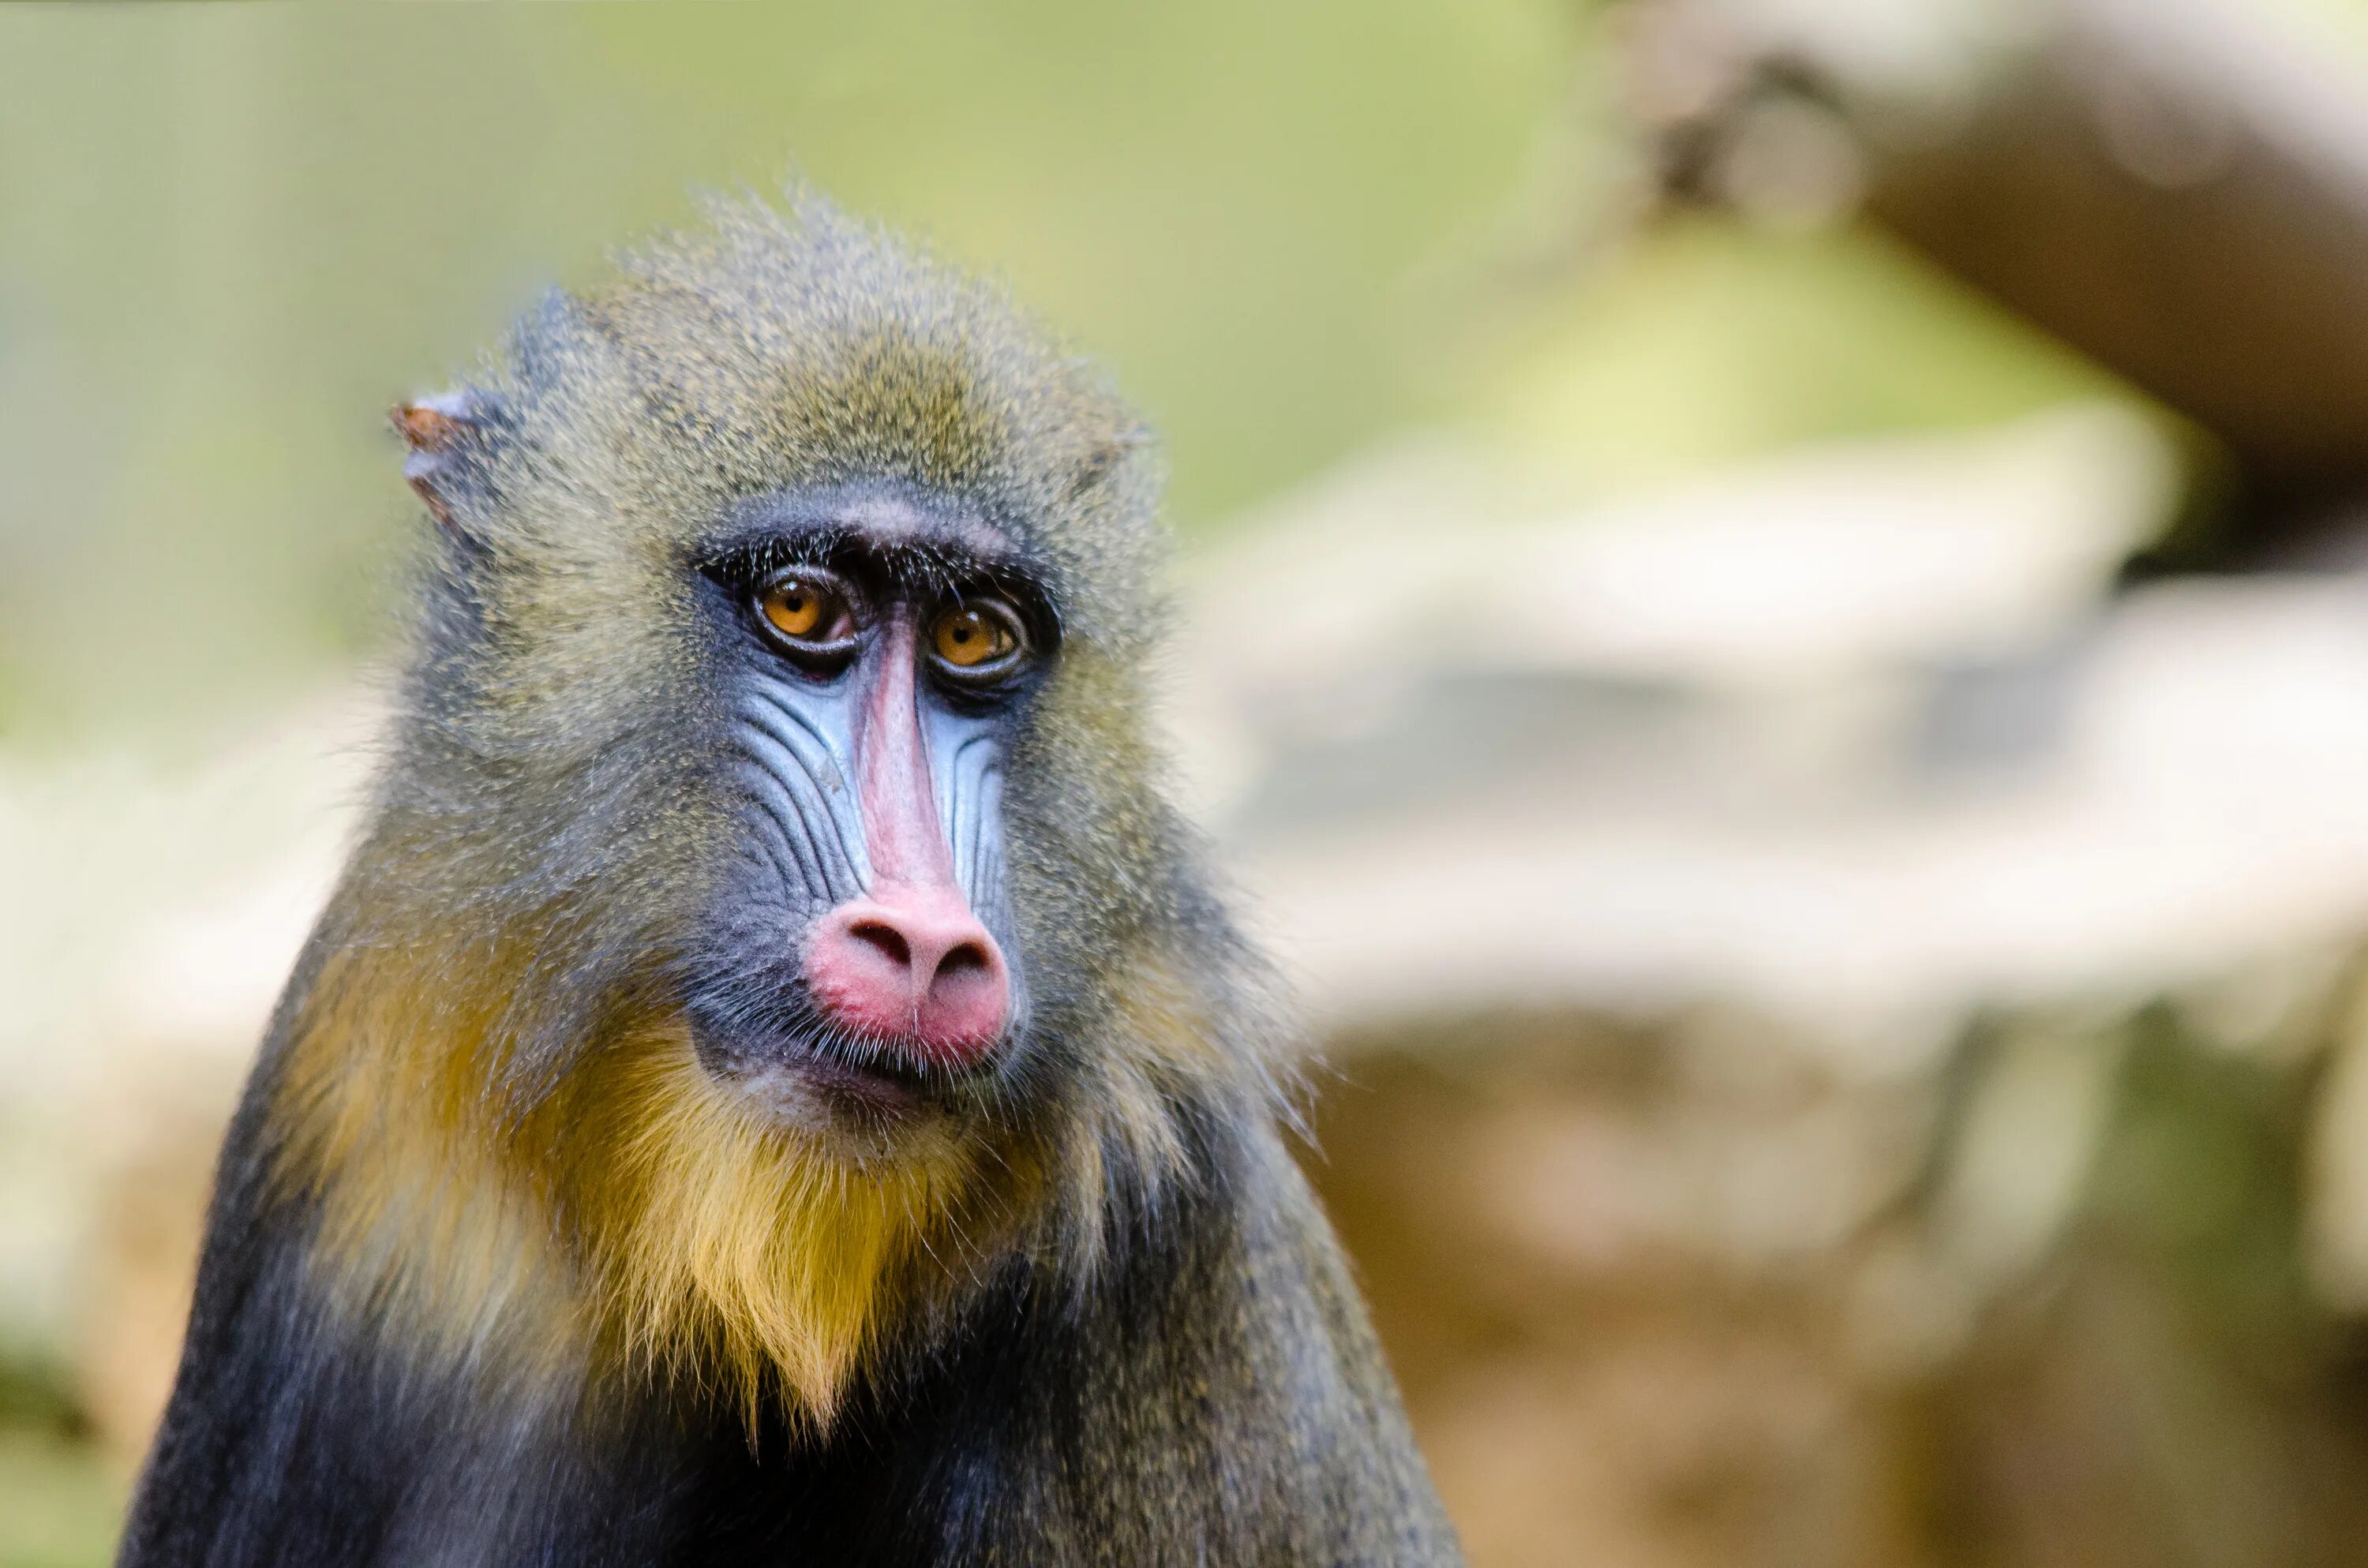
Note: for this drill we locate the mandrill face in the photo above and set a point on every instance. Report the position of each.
(780, 702)
(770, 911)
(877, 648)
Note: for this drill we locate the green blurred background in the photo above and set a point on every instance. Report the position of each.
(230, 236)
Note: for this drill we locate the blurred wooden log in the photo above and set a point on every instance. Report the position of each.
(1677, 1293)
(2178, 189)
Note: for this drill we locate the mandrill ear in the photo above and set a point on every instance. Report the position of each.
(448, 436)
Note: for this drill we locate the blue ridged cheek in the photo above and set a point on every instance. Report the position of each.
(793, 767)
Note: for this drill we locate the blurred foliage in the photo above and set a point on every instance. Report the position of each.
(228, 238)
(57, 1508)
(1701, 341)
(59, 1501)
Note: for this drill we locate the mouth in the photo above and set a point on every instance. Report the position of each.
(840, 1085)
(799, 1069)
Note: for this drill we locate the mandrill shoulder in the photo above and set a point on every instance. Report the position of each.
(308, 1430)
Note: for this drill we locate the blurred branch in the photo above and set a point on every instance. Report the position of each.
(2172, 186)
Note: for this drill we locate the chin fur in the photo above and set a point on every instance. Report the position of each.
(761, 1235)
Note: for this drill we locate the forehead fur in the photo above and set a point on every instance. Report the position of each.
(772, 349)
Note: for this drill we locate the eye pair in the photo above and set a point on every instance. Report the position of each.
(808, 612)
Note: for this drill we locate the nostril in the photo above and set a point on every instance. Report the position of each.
(890, 942)
(963, 958)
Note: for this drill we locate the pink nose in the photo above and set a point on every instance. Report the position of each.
(912, 969)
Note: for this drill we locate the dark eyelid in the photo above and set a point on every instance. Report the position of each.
(942, 568)
(991, 676)
(1020, 608)
(837, 585)
(824, 652)
(994, 606)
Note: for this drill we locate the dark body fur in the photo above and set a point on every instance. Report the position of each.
(1214, 1400)
(443, 1316)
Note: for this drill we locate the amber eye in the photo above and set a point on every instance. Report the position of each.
(970, 636)
(804, 608)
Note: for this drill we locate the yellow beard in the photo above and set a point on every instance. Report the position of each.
(647, 1218)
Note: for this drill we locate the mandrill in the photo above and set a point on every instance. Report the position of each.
(774, 1084)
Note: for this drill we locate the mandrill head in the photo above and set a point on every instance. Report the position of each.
(769, 927)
